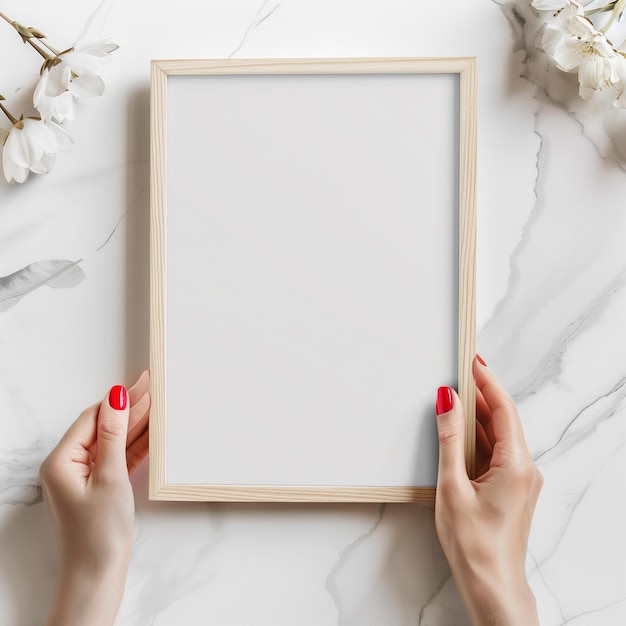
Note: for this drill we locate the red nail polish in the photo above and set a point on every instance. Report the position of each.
(118, 397)
(444, 400)
(481, 360)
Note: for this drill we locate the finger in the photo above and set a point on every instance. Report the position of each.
(112, 431)
(140, 388)
(137, 451)
(451, 432)
(139, 400)
(483, 416)
(138, 420)
(505, 425)
(484, 450)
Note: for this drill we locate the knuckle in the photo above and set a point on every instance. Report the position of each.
(525, 474)
(111, 429)
(446, 486)
(49, 473)
(449, 432)
(508, 403)
(110, 479)
(450, 499)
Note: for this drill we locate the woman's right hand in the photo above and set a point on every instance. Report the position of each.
(87, 490)
(483, 524)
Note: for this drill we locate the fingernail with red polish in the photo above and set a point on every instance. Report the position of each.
(118, 397)
(481, 360)
(444, 400)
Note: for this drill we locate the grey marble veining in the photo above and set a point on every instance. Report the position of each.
(265, 11)
(19, 479)
(55, 273)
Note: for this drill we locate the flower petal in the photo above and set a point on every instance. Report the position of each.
(59, 107)
(59, 78)
(45, 164)
(26, 145)
(87, 86)
(593, 74)
(85, 63)
(602, 46)
(581, 27)
(553, 38)
(618, 71)
(13, 171)
(63, 140)
(40, 89)
(620, 102)
(39, 134)
(32, 144)
(569, 55)
(100, 47)
(20, 149)
(63, 107)
(549, 5)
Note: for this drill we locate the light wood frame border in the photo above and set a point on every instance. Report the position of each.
(466, 68)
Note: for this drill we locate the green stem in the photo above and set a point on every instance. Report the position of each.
(11, 118)
(615, 13)
(606, 7)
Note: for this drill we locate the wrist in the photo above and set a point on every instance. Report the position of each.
(88, 595)
(497, 598)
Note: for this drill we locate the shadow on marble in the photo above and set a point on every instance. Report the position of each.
(137, 279)
(28, 565)
(360, 563)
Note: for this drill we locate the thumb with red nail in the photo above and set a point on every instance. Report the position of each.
(86, 487)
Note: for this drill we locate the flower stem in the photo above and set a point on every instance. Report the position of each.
(44, 54)
(53, 50)
(606, 7)
(5, 18)
(11, 118)
(615, 13)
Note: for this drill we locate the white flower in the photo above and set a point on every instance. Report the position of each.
(58, 107)
(31, 146)
(559, 8)
(549, 5)
(582, 49)
(619, 68)
(71, 75)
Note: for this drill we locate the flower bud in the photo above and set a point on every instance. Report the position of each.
(36, 32)
(25, 33)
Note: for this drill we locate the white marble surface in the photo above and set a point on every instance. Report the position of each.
(551, 310)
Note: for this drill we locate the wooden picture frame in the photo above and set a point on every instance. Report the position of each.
(312, 275)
